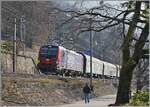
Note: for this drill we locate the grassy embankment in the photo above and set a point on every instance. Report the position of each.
(45, 90)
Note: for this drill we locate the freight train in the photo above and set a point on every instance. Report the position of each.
(59, 60)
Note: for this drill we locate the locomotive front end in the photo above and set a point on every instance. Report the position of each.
(48, 59)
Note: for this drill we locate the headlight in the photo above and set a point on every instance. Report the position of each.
(47, 59)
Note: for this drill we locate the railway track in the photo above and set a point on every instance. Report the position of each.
(60, 77)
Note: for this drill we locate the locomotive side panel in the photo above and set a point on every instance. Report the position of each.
(62, 60)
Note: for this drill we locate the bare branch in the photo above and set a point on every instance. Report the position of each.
(90, 13)
(98, 30)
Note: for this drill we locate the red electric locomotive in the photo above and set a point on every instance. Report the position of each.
(58, 60)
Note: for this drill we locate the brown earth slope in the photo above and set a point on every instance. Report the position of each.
(34, 90)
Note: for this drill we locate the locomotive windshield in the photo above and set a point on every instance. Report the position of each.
(48, 52)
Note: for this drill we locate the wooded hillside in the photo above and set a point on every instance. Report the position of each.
(42, 24)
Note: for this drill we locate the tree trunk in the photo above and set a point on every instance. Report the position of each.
(124, 84)
(128, 64)
(128, 67)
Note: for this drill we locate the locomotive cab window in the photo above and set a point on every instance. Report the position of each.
(48, 52)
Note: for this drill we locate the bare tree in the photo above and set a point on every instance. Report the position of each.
(102, 18)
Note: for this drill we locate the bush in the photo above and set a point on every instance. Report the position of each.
(141, 98)
(7, 46)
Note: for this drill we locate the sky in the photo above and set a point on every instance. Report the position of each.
(89, 3)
